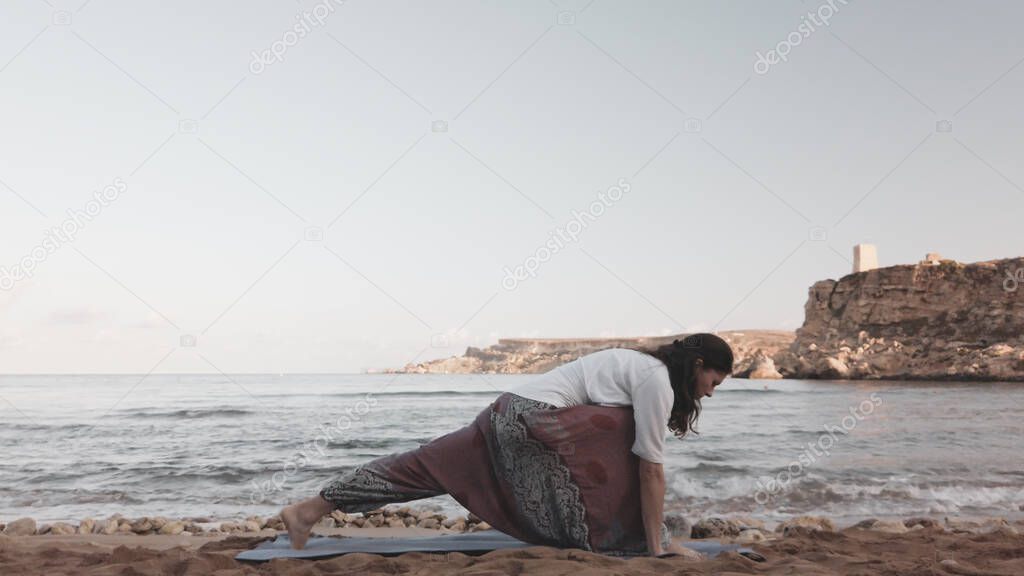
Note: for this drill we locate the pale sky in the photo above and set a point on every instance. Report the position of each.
(744, 188)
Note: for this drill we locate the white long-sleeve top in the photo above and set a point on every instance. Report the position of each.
(613, 377)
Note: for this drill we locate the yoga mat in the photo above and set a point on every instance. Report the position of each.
(472, 544)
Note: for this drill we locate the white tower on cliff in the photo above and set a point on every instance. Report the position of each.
(865, 257)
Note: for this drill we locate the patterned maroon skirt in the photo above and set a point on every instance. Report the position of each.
(551, 476)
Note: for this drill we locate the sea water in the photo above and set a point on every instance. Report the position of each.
(226, 447)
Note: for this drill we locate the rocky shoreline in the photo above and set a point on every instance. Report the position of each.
(754, 351)
(934, 320)
(741, 529)
(403, 517)
(941, 320)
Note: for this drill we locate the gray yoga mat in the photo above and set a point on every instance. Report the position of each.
(472, 543)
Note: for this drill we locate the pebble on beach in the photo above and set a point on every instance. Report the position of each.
(741, 529)
(802, 524)
(750, 536)
(678, 525)
(21, 527)
(713, 528)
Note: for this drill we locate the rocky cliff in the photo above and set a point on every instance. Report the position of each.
(938, 321)
(753, 350)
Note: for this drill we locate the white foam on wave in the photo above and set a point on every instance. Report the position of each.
(813, 493)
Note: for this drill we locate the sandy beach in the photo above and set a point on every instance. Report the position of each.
(960, 547)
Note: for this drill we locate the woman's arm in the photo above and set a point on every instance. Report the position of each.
(652, 502)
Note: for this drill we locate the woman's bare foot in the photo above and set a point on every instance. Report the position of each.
(300, 518)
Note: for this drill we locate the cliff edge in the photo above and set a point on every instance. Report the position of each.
(935, 320)
(941, 320)
(753, 351)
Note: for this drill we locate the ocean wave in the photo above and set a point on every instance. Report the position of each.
(36, 427)
(832, 494)
(56, 496)
(183, 475)
(410, 393)
(376, 443)
(189, 413)
(712, 468)
(712, 455)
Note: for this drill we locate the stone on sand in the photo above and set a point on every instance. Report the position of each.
(805, 523)
(746, 522)
(141, 525)
(428, 523)
(275, 523)
(86, 526)
(889, 526)
(452, 521)
(920, 521)
(678, 525)
(714, 528)
(62, 529)
(109, 527)
(172, 528)
(21, 527)
(750, 536)
(396, 522)
(975, 525)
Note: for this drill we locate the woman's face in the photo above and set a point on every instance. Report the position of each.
(706, 380)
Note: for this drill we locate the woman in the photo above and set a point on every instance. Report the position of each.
(571, 459)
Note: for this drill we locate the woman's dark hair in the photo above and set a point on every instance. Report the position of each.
(680, 357)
